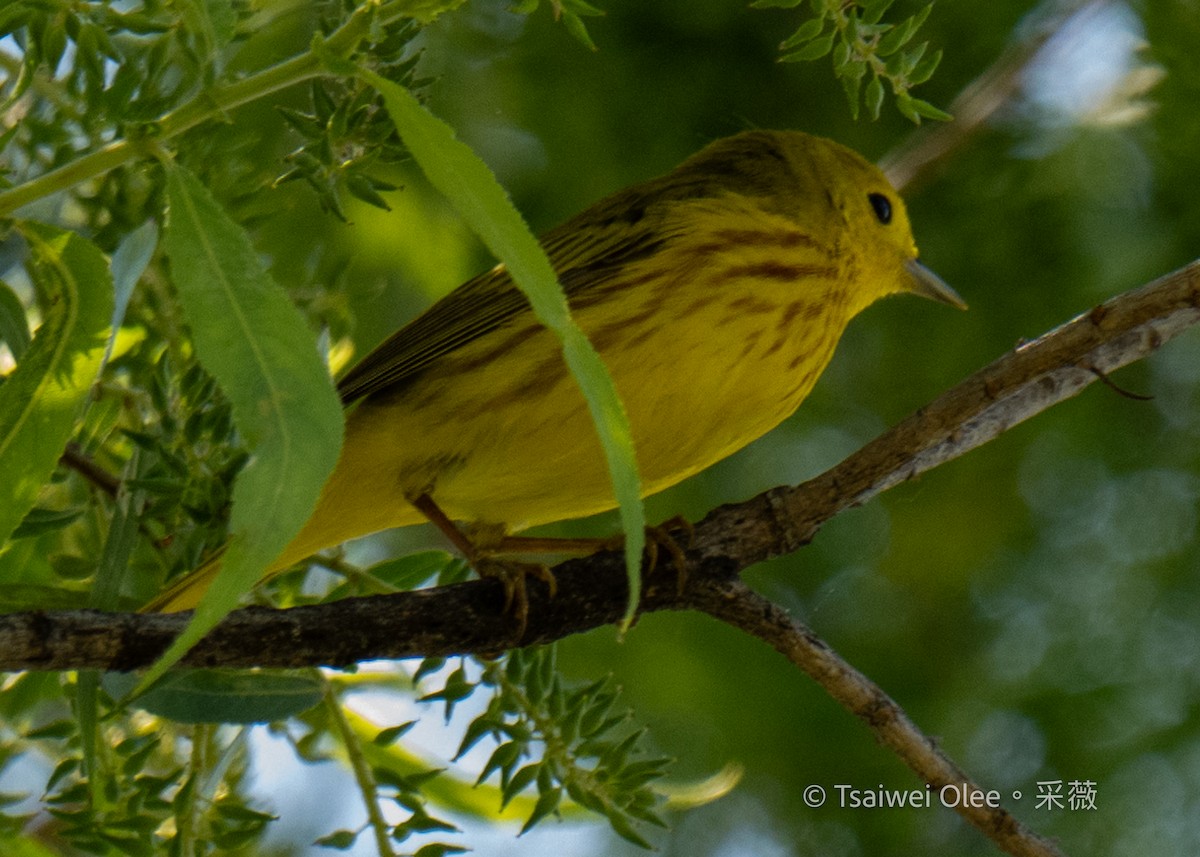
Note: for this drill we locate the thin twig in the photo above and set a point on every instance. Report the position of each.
(76, 459)
(978, 102)
(364, 777)
(738, 605)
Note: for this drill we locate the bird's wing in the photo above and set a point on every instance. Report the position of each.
(585, 251)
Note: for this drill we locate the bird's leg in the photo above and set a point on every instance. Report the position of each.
(482, 550)
(480, 554)
(660, 536)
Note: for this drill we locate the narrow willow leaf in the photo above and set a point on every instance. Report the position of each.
(814, 50)
(578, 29)
(842, 58)
(582, 7)
(912, 58)
(466, 181)
(42, 397)
(806, 32)
(924, 69)
(120, 541)
(258, 347)
(439, 849)
(872, 10)
(342, 840)
(623, 828)
(547, 803)
(896, 38)
(904, 103)
(129, 261)
(14, 324)
(392, 734)
(222, 696)
(518, 782)
(924, 108)
(874, 97)
(40, 521)
(852, 85)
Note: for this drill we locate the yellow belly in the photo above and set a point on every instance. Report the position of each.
(518, 448)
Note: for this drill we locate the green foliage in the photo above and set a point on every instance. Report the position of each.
(133, 797)
(281, 397)
(563, 742)
(105, 70)
(862, 45)
(41, 400)
(570, 12)
(222, 696)
(195, 423)
(347, 134)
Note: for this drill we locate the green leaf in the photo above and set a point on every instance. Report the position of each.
(363, 188)
(16, 597)
(852, 85)
(342, 840)
(478, 728)
(502, 760)
(806, 32)
(54, 729)
(439, 849)
(874, 97)
(814, 50)
(872, 10)
(582, 7)
(392, 734)
(42, 397)
(909, 59)
(924, 108)
(896, 38)
(623, 828)
(547, 803)
(851, 34)
(465, 180)
(576, 27)
(924, 69)
(409, 572)
(129, 261)
(14, 324)
(39, 521)
(222, 696)
(120, 541)
(258, 347)
(215, 20)
(518, 782)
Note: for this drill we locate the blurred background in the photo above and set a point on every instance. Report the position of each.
(1034, 605)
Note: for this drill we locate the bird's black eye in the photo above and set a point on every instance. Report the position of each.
(882, 206)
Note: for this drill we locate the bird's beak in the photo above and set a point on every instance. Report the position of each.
(926, 283)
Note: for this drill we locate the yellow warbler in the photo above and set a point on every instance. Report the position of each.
(716, 295)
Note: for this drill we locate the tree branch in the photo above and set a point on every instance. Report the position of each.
(466, 618)
(737, 605)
